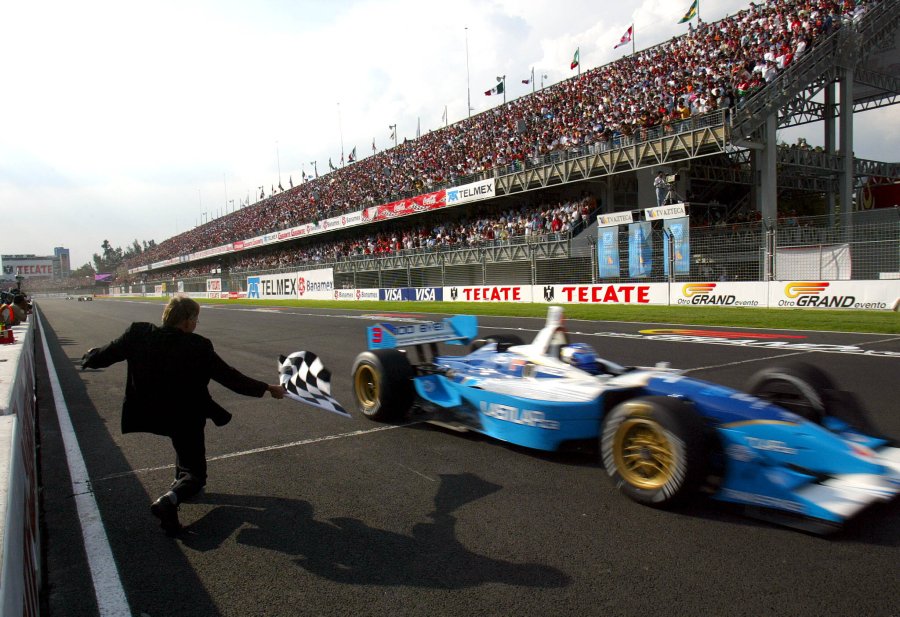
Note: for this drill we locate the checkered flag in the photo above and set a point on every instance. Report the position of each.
(307, 380)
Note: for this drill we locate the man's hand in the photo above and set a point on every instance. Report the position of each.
(276, 390)
(87, 357)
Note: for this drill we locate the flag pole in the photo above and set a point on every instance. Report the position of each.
(532, 80)
(468, 78)
(632, 39)
(341, 129)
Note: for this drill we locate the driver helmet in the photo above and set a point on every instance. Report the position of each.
(581, 355)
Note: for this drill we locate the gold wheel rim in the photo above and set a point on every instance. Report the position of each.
(366, 386)
(643, 454)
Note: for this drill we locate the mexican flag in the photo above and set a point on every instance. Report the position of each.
(576, 59)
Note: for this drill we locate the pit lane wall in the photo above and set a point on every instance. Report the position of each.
(19, 531)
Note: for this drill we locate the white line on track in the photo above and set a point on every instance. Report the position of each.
(111, 600)
(738, 362)
(293, 444)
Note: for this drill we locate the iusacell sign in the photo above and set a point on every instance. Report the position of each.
(483, 189)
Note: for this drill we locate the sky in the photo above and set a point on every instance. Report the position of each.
(126, 121)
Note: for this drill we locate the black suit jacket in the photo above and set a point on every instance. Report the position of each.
(168, 374)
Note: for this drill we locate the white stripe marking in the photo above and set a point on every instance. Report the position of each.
(302, 442)
(111, 599)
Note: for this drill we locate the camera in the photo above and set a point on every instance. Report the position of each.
(672, 178)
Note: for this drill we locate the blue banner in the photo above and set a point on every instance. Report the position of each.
(679, 231)
(640, 250)
(608, 251)
(411, 294)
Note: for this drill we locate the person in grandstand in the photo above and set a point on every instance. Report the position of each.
(169, 369)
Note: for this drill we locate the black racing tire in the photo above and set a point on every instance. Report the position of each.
(503, 341)
(796, 386)
(382, 384)
(655, 450)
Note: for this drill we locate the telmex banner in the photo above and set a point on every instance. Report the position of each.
(308, 285)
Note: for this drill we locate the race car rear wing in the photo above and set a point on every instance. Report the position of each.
(457, 330)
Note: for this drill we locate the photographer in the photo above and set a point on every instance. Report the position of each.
(169, 369)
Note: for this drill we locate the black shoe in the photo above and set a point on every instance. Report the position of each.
(167, 513)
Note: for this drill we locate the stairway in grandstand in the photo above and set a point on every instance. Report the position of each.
(791, 94)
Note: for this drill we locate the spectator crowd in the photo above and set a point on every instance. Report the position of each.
(715, 66)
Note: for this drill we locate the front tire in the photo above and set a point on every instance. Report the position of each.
(382, 384)
(654, 450)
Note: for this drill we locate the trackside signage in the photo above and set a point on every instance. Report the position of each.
(412, 294)
(720, 294)
(316, 284)
(476, 191)
(272, 287)
(665, 212)
(616, 218)
(857, 295)
(622, 293)
(353, 295)
(494, 293)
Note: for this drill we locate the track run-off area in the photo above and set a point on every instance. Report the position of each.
(309, 513)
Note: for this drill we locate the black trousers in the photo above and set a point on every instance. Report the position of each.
(190, 462)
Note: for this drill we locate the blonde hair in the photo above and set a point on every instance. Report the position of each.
(180, 309)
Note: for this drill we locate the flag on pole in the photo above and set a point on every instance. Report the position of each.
(330, 165)
(577, 59)
(444, 117)
(393, 128)
(498, 89)
(352, 156)
(626, 38)
(280, 188)
(306, 380)
(373, 145)
(291, 181)
(691, 13)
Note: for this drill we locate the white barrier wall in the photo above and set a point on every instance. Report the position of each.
(19, 530)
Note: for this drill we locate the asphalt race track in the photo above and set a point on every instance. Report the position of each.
(308, 513)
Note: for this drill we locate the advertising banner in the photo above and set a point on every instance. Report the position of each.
(508, 293)
(356, 294)
(405, 207)
(29, 268)
(640, 250)
(857, 295)
(476, 191)
(640, 293)
(665, 212)
(273, 287)
(679, 233)
(316, 284)
(608, 251)
(615, 218)
(412, 294)
(720, 294)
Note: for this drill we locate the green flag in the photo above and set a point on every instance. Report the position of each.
(692, 12)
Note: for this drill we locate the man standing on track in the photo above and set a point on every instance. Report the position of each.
(169, 369)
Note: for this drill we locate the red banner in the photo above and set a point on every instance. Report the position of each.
(405, 207)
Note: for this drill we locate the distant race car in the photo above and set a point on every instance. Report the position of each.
(85, 298)
(792, 448)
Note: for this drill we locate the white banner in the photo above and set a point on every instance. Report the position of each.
(476, 191)
(507, 293)
(858, 295)
(316, 284)
(615, 218)
(665, 212)
(621, 293)
(832, 262)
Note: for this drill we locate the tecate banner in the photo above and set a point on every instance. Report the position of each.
(508, 293)
(476, 191)
(622, 293)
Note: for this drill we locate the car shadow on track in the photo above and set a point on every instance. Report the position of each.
(875, 526)
(347, 550)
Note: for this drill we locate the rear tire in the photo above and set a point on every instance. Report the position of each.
(798, 387)
(654, 449)
(382, 384)
(503, 341)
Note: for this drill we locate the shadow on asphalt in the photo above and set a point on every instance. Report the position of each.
(347, 550)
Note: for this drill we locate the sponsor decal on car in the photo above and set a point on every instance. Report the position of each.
(515, 415)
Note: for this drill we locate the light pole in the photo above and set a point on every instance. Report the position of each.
(468, 78)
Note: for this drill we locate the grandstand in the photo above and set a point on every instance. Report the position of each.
(704, 106)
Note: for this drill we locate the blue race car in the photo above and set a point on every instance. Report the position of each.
(792, 447)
